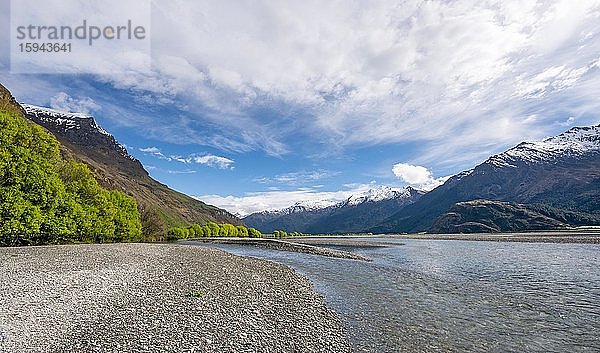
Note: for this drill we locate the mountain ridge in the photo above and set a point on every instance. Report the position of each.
(83, 139)
(346, 216)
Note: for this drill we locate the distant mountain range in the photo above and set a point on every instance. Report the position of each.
(355, 214)
(550, 184)
(562, 172)
(82, 139)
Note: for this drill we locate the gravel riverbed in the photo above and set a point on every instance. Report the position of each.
(282, 245)
(157, 298)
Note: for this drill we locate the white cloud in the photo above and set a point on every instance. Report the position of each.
(211, 161)
(63, 102)
(417, 176)
(378, 73)
(152, 150)
(205, 159)
(295, 178)
(412, 174)
(187, 171)
(274, 200)
(367, 73)
(155, 151)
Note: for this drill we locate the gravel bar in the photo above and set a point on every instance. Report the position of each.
(276, 244)
(157, 298)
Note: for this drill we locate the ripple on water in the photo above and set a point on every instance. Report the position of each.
(460, 296)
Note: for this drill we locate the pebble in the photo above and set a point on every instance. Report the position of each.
(133, 298)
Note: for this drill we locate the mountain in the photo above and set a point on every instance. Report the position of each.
(82, 139)
(484, 216)
(355, 214)
(562, 172)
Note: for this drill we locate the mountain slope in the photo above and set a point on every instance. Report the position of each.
(562, 172)
(483, 216)
(83, 139)
(356, 214)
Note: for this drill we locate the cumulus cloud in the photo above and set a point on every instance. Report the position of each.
(274, 200)
(418, 176)
(64, 102)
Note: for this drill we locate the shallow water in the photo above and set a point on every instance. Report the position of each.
(459, 296)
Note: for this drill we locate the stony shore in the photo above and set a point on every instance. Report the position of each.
(157, 298)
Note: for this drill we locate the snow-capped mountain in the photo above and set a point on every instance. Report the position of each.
(65, 120)
(562, 172)
(306, 206)
(354, 214)
(73, 124)
(371, 195)
(378, 194)
(574, 142)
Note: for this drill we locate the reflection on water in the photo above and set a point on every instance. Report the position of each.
(460, 296)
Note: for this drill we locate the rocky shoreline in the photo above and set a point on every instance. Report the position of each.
(157, 298)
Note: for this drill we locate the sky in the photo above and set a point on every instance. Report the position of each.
(253, 105)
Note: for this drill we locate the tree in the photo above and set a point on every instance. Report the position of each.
(242, 231)
(198, 230)
(229, 230)
(254, 233)
(128, 226)
(153, 225)
(279, 233)
(214, 228)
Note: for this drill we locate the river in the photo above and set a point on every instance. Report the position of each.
(459, 296)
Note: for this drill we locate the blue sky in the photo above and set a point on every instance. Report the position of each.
(257, 105)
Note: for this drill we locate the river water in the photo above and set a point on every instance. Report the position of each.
(459, 296)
